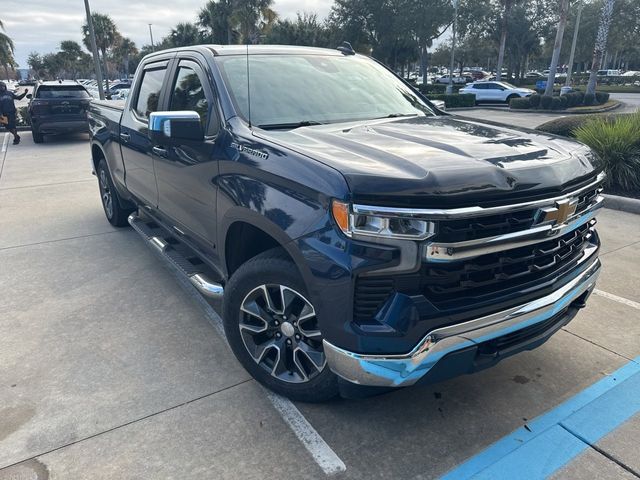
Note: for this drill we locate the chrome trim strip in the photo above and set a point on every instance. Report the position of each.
(159, 243)
(406, 369)
(450, 252)
(444, 214)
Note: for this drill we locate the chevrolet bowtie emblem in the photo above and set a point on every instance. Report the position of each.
(559, 213)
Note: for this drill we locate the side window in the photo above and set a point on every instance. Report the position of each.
(149, 93)
(188, 94)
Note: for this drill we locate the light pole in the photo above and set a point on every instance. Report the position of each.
(153, 47)
(94, 50)
(453, 47)
(573, 44)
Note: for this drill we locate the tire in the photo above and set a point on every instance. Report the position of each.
(111, 203)
(281, 353)
(513, 95)
(37, 136)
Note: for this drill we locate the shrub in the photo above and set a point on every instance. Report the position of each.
(556, 103)
(564, 102)
(519, 103)
(545, 102)
(436, 88)
(602, 97)
(534, 100)
(565, 126)
(456, 100)
(589, 99)
(617, 144)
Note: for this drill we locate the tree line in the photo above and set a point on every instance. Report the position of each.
(514, 35)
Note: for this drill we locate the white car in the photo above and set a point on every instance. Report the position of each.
(495, 91)
(457, 80)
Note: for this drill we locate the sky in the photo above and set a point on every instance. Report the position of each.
(40, 25)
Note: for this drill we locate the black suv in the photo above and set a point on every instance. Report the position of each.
(58, 107)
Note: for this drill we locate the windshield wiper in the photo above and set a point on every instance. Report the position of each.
(283, 126)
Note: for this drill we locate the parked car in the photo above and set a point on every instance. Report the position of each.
(535, 75)
(358, 236)
(114, 88)
(457, 80)
(495, 91)
(58, 107)
(27, 82)
(608, 73)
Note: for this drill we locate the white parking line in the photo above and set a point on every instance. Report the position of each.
(5, 143)
(616, 298)
(320, 450)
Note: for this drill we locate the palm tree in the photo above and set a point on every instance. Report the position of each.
(106, 36)
(557, 46)
(601, 44)
(217, 18)
(126, 49)
(6, 51)
(185, 34)
(507, 4)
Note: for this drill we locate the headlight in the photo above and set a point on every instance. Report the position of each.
(380, 225)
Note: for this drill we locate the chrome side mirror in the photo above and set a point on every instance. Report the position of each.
(179, 125)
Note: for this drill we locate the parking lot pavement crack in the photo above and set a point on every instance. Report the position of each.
(40, 185)
(126, 424)
(598, 345)
(11, 247)
(619, 248)
(602, 452)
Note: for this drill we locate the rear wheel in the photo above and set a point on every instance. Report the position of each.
(111, 203)
(37, 136)
(273, 329)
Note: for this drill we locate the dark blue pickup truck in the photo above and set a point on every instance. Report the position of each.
(360, 238)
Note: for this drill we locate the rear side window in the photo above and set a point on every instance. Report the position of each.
(149, 94)
(61, 91)
(188, 94)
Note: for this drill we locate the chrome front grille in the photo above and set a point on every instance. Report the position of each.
(480, 260)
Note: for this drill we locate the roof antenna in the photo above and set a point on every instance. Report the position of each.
(248, 86)
(346, 49)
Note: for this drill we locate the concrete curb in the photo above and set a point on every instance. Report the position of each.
(623, 204)
(617, 104)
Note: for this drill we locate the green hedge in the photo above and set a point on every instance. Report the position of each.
(456, 100)
(560, 102)
(437, 89)
(519, 103)
(565, 126)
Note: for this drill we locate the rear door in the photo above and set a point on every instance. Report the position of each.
(186, 170)
(137, 148)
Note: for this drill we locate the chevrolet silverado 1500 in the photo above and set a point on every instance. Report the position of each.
(356, 234)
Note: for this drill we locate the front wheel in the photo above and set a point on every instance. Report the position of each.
(273, 329)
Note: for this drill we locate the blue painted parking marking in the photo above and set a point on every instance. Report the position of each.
(555, 438)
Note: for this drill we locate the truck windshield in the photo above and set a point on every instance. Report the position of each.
(288, 91)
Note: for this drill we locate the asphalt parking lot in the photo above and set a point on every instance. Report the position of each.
(110, 367)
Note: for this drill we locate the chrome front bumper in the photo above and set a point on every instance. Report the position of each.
(406, 369)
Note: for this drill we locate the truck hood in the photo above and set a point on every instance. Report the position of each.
(438, 161)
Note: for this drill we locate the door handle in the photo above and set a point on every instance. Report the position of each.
(125, 137)
(161, 152)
